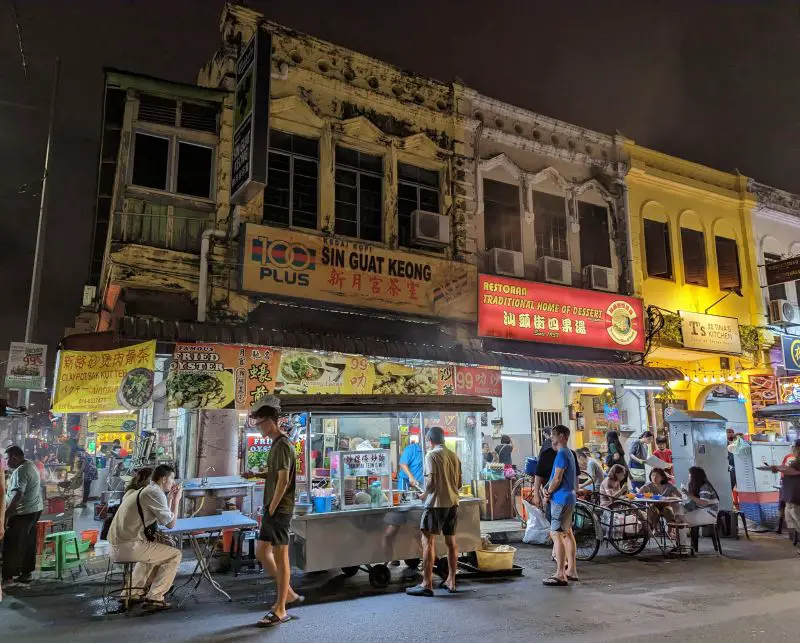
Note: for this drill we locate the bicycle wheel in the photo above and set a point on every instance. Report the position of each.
(628, 530)
(523, 489)
(584, 528)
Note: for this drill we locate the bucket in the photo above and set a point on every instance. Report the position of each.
(227, 539)
(496, 558)
(90, 535)
(323, 504)
(530, 465)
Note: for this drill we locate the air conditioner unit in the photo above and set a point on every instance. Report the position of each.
(555, 271)
(783, 312)
(507, 262)
(89, 293)
(430, 229)
(600, 278)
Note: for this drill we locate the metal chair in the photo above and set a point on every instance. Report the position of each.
(125, 593)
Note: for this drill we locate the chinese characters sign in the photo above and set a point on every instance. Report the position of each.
(26, 366)
(220, 376)
(472, 380)
(105, 380)
(538, 312)
(227, 376)
(365, 463)
(710, 332)
(295, 264)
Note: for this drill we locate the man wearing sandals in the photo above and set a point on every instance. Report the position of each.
(156, 563)
(560, 492)
(440, 516)
(272, 549)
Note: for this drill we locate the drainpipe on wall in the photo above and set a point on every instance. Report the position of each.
(202, 291)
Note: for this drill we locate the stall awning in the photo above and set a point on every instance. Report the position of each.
(445, 349)
(383, 403)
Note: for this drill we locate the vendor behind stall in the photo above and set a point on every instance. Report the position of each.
(411, 467)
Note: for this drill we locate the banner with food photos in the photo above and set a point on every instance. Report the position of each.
(228, 376)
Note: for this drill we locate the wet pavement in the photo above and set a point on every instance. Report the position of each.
(750, 594)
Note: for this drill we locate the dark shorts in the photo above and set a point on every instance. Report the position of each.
(275, 528)
(439, 521)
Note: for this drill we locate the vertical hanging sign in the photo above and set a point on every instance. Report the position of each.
(251, 118)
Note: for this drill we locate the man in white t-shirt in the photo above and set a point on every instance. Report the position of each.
(155, 503)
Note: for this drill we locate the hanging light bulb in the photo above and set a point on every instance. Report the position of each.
(686, 378)
(738, 376)
(714, 379)
(705, 380)
(730, 378)
(696, 379)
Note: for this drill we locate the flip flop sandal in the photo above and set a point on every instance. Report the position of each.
(297, 601)
(271, 619)
(554, 582)
(419, 590)
(156, 606)
(444, 585)
(573, 578)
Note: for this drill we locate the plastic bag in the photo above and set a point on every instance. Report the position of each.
(739, 446)
(538, 530)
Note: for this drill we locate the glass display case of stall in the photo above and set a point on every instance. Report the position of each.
(361, 479)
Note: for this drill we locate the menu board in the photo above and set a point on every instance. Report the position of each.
(763, 393)
(258, 450)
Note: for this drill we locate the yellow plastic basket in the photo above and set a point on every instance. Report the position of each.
(496, 558)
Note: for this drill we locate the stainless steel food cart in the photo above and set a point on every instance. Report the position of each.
(370, 536)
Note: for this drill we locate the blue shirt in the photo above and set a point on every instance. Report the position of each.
(412, 458)
(565, 494)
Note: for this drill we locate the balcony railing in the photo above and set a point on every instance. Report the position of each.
(160, 225)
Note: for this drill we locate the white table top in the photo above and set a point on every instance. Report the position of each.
(210, 523)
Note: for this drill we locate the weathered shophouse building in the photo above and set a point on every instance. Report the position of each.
(550, 217)
(368, 236)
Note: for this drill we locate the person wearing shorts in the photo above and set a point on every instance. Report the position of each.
(790, 489)
(272, 549)
(560, 494)
(440, 515)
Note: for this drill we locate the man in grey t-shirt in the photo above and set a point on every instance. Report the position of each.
(23, 508)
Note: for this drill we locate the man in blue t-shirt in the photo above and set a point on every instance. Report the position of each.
(411, 467)
(560, 492)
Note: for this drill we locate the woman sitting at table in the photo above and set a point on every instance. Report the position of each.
(612, 486)
(702, 502)
(660, 485)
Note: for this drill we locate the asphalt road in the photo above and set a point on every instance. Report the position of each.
(750, 594)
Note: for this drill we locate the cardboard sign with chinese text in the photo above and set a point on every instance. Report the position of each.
(538, 312)
(308, 266)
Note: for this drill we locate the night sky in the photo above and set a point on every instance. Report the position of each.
(714, 82)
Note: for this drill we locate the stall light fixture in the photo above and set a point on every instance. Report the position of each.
(642, 387)
(696, 379)
(591, 385)
(525, 378)
(116, 412)
(686, 378)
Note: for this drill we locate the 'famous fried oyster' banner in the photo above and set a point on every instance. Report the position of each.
(225, 376)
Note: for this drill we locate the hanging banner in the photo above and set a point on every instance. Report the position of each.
(105, 380)
(26, 368)
(710, 332)
(229, 376)
(284, 262)
(538, 312)
(474, 380)
(220, 376)
(112, 422)
(763, 393)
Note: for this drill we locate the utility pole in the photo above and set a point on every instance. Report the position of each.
(38, 257)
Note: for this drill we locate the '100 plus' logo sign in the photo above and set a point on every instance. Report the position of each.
(283, 262)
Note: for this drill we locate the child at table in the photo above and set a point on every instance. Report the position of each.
(661, 486)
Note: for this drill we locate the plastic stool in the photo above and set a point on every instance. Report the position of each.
(236, 553)
(743, 518)
(62, 559)
(715, 539)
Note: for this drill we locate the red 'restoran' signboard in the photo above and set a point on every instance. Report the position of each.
(538, 312)
(473, 380)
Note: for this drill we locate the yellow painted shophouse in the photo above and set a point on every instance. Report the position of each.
(694, 263)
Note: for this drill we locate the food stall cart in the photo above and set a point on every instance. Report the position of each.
(370, 522)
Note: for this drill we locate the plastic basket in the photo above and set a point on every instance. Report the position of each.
(90, 535)
(496, 558)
